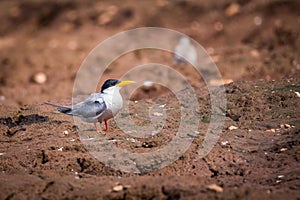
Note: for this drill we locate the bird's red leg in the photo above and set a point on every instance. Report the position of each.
(106, 125)
(96, 128)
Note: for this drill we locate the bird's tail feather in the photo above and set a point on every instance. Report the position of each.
(62, 109)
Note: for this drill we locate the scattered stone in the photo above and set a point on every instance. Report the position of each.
(232, 9)
(283, 149)
(218, 82)
(257, 20)
(131, 140)
(148, 144)
(216, 58)
(108, 15)
(286, 126)
(117, 188)
(158, 114)
(66, 132)
(232, 128)
(281, 125)
(60, 149)
(39, 78)
(224, 143)
(254, 53)
(298, 94)
(280, 176)
(1, 154)
(215, 188)
(272, 130)
(153, 133)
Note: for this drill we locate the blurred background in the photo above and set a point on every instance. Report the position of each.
(43, 43)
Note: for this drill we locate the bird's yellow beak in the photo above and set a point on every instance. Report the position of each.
(123, 83)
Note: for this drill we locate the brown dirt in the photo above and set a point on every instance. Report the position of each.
(258, 160)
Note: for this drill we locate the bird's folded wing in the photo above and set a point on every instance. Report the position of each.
(93, 106)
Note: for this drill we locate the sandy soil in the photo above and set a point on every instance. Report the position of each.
(254, 43)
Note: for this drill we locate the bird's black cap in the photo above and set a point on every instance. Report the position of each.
(109, 83)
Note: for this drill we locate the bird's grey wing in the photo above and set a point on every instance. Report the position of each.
(93, 106)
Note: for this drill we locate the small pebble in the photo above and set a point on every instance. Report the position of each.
(257, 20)
(272, 130)
(66, 132)
(157, 114)
(232, 9)
(60, 149)
(281, 125)
(131, 139)
(280, 176)
(117, 188)
(254, 53)
(224, 143)
(39, 78)
(287, 126)
(283, 149)
(108, 15)
(215, 187)
(153, 133)
(232, 128)
(298, 94)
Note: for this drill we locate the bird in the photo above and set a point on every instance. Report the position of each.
(98, 107)
(185, 52)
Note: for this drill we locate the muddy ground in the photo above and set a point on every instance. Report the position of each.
(254, 43)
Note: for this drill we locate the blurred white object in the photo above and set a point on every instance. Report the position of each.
(298, 94)
(257, 20)
(148, 83)
(40, 78)
(185, 51)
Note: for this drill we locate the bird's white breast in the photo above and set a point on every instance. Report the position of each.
(113, 99)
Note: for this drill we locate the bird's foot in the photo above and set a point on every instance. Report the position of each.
(97, 129)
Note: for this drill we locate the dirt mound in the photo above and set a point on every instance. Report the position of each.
(45, 157)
